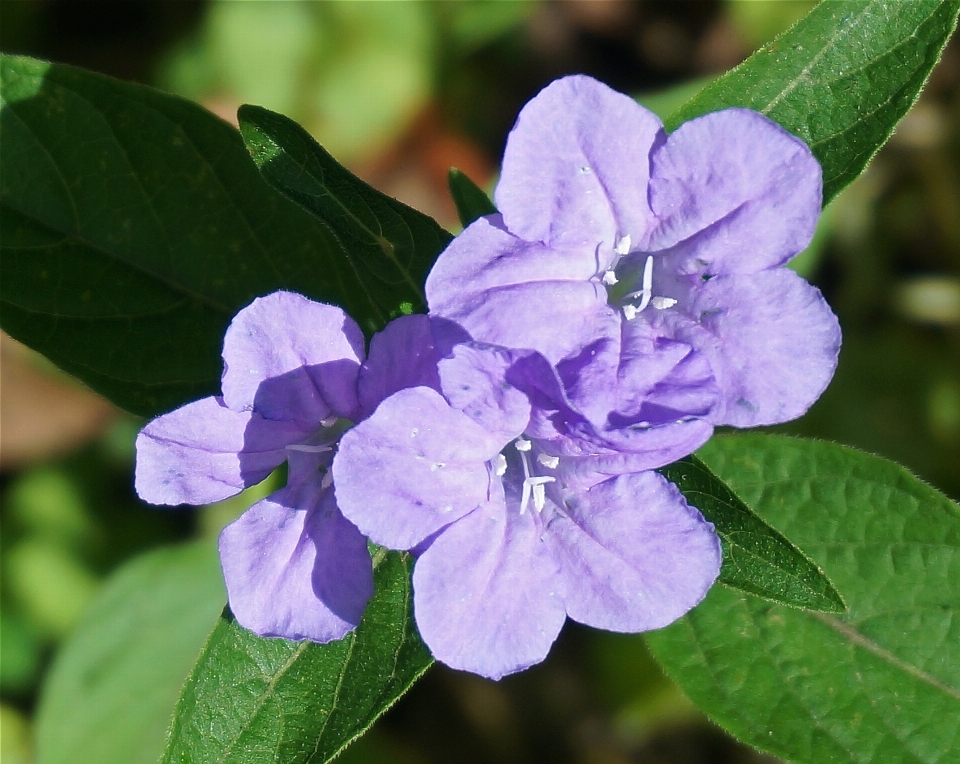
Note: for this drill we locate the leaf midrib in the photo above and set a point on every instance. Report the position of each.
(850, 633)
(307, 167)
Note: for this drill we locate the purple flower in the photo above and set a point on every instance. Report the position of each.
(294, 378)
(649, 268)
(517, 519)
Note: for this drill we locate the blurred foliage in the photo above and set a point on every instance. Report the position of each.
(386, 86)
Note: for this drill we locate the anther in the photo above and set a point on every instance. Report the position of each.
(609, 278)
(623, 245)
(550, 462)
(662, 303)
(330, 421)
(501, 465)
(327, 480)
(630, 312)
(522, 444)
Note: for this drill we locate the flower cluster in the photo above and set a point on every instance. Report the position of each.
(630, 295)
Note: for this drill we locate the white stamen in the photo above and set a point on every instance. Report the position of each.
(661, 303)
(647, 285)
(550, 462)
(539, 496)
(330, 421)
(629, 312)
(522, 444)
(309, 449)
(539, 492)
(623, 245)
(525, 496)
(500, 467)
(609, 278)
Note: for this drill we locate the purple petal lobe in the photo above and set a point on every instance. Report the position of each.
(735, 191)
(292, 359)
(413, 467)
(405, 354)
(773, 343)
(576, 166)
(300, 572)
(473, 380)
(518, 294)
(205, 452)
(634, 555)
(486, 593)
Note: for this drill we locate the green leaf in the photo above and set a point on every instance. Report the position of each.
(756, 558)
(472, 201)
(134, 226)
(113, 685)
(880, 683)
(840, 79)
(391, 246)
(256, 700)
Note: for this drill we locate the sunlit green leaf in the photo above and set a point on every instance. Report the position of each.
(756, 558)
(391, 246)
(840, 79)
(252, 700)
(879, 683)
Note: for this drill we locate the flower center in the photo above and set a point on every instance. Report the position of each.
(635, 302)
(533, 486)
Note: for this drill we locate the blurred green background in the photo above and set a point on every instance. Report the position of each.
(399, 92)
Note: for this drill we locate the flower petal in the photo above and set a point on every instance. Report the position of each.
(634, 555)
(576, 167)
(413, 467)
(204, 452)
(519, 294)
(735, 192)
(474, 381)
(296, 569)
(290, 358)
(773, 343)
(405, 354)
(486, 593)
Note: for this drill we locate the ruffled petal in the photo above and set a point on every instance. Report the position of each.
(773, 343)
(296, 569)
(204, 452)
(735, 193)
(413, 467)
(486, 593)
(289, 358)
(576, 167)
(646, 378)
(587, 462)
(519, 294)
(474, 381)
(634, 555)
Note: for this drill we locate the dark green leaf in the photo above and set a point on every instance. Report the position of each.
(134, 226)
(112, 688)
(472, 201)
(880, 683)
(257, 700)
(756, 558)
(391, 246)
(840, 79)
